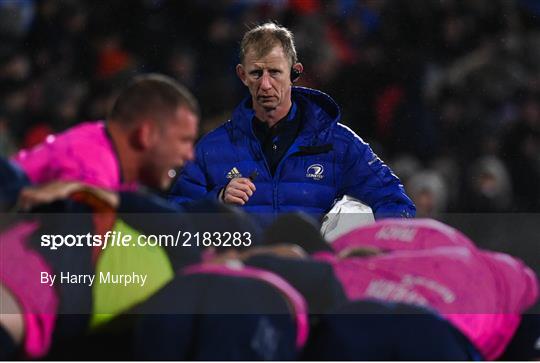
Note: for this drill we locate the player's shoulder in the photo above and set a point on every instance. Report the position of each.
(82, 133)
(86, 127)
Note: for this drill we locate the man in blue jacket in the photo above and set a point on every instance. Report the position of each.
(284, 150)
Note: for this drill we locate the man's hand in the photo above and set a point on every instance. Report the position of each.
(238, 191)
(46, 193)
(33, 196)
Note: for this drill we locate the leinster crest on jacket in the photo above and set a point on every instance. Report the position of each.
(315, 172)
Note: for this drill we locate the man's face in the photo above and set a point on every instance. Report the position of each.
(267, 77)
(171, 147)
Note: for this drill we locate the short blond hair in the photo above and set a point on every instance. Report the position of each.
(263, 38)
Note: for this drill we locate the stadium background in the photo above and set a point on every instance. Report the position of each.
(445, 91)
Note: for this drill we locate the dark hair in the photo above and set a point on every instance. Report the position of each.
(152, 95)
(263, 38)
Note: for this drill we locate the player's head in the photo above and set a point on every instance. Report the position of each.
(267, 58)
(159, 119)
(299, 229)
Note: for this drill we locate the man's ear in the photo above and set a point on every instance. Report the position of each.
(143, 136)
(298, 69)
(241, 73)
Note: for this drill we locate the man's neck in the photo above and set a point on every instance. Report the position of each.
(274, 115)
(127, 157)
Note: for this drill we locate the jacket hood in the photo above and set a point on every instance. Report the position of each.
(319, 110)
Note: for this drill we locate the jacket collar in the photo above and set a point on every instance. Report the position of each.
(318, 112)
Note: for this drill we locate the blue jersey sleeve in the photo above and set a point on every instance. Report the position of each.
(12, 181)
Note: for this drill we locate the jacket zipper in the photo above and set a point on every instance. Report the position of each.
(261, 154)
(292, 150)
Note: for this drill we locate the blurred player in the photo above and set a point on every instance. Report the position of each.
(426, 263)
(148, 134)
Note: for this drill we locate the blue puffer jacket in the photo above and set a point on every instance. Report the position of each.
(326, 161)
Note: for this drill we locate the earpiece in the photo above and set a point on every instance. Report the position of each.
(295, 74)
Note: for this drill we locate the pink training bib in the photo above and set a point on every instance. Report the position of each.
(20, 271)
(430, 264)
(83, 153)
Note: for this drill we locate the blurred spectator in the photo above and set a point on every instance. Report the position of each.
(448, 168)
(490, 189)
(16, 17)
(429, 193)
(182, 65)
(15, 66)
(521, 151)
(406, 166)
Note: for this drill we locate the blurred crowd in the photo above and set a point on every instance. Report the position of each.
(446, 91)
